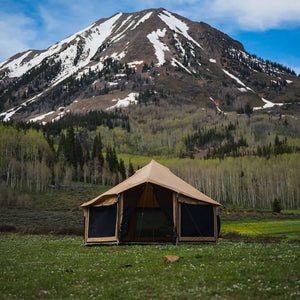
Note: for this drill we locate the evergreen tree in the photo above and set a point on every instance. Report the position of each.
(276, 206)
(97, 149)
(122, 169)
(130, 169)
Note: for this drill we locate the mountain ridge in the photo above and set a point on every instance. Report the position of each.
(134, 52)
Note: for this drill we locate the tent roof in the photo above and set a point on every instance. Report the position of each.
(157, 174)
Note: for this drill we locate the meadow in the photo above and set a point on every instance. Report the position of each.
(52, 267)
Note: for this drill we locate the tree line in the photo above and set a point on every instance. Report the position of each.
(30, 160)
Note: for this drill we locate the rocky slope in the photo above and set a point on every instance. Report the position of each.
(150, 55)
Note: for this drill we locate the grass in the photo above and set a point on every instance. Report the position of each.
(291, 211)
(289, 228)
(39, 266)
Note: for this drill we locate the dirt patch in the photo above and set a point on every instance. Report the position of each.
(117, 250)
(41, 222)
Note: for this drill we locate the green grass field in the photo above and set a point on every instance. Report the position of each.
(46, 266)
(287, 228)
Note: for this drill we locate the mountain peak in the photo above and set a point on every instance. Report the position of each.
(127, 53)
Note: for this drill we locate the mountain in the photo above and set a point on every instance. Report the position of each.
(152, 55)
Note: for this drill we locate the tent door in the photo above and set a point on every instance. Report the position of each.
(151, 219)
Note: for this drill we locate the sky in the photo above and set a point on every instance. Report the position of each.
(269, 29)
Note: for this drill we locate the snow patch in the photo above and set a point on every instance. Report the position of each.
(130, 99)
(118, 56)
(41, 117)
(94, 36)
(134, 63)
(289, 81)
(217, 106)
(142, 20)
(177, 25)
(268, 104)
(123, 23)
(212, 60)
(179, 45)
(119, 36)
(237, 80)
(159, 47)
(242, 90)
(8, 114)
(176, 63)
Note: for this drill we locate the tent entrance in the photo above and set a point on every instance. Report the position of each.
(151, 218)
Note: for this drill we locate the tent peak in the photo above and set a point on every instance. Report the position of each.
(158, 174)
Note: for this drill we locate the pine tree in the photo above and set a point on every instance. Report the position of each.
(122, 169)
(276, 206)
(130, 169)
(97, 149)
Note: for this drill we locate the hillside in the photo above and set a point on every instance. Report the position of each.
(152, 55)
(96, 106)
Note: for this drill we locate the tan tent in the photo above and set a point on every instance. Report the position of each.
(152, 206)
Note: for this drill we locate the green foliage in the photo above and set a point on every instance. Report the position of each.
(288, 229)
(37, 266)
(231, 144)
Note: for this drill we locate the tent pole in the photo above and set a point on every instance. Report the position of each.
(215, 224)
(118, 218)
(175, 213)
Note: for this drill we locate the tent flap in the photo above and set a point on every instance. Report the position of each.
(188, 200)
(106, 202)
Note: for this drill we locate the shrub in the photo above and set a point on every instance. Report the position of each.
(276, 206)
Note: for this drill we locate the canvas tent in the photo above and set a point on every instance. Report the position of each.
(152, 206)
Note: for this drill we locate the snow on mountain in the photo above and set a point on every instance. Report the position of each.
(177, 25)
(130, 99)
(142, 20)
(160, 48)
(237, 80)
(135, 52)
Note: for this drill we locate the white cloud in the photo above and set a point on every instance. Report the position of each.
(252, 15)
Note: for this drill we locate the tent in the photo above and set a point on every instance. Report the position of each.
(152, 206)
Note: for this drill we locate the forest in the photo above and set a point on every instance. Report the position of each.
(236, 159)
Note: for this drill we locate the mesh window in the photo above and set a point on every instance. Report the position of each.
(102, 221)
(153, 224)
(197, 220)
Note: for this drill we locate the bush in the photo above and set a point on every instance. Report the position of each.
(276, 206)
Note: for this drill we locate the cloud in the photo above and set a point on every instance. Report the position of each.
(16, 34)
(251, 15)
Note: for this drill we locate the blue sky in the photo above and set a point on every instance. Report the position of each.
(268, 28)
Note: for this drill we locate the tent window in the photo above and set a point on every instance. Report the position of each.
(197, 220)
(102, 221)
